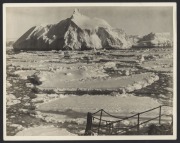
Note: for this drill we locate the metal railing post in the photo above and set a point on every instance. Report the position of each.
(106, 127)
(160, 114)
(138, 123)
(112, 129)
(100, 121)
(89, 124)
(109, 128)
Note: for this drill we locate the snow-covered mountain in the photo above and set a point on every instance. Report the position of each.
(78, 32)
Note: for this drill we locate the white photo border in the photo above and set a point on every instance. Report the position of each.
(122, 137)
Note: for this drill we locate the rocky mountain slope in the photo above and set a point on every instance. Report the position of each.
(78, 32)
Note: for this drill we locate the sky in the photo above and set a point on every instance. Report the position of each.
(134, 20)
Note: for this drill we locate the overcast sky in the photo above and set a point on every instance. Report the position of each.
(134, 20)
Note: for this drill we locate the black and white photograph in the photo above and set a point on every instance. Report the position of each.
(78, 71)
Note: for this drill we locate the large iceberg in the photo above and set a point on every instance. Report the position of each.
(155, 40)
(78, 32)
